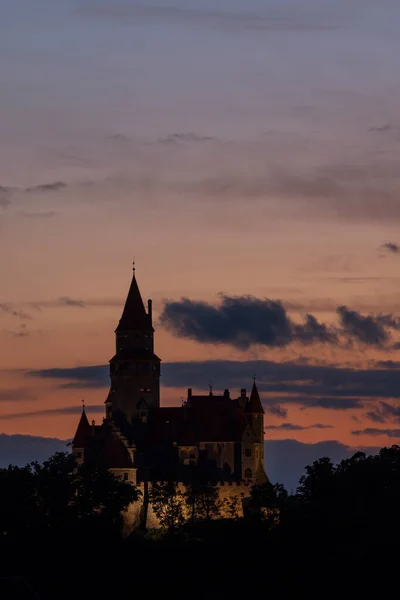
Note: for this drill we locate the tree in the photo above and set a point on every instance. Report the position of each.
(97, 492)
(58, 494)
(168, 502)
(18, 506)
(203, 501)
(268, 502)
(232, 506)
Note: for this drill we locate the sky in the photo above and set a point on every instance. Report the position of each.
(246, 155)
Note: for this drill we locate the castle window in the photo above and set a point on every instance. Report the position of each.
(247, 452)
(248, 474)
(79, 455)
(126, 475)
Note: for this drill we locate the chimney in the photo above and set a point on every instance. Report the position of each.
(242, 399)
(93, 422)
(150, 310)
(189, 393)
(226, 394)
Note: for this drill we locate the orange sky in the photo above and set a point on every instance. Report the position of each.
(224, 157)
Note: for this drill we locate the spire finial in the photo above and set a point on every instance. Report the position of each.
(254, 377)
(83, 405)
(133, 264)
(210, 387)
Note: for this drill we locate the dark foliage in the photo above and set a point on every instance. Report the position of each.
(60, 532)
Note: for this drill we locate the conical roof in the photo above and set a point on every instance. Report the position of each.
(134, 315)
(82, 432)
(254, 405)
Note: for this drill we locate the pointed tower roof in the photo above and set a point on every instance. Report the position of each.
(134, 315)
(82, 432)
(254, 404)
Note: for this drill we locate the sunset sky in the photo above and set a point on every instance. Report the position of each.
(246, 154)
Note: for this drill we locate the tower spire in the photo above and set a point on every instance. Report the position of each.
(83, 429)
(254, 405)
(134, 316)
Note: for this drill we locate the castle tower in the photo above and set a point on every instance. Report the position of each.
(134, 369)
(255, 417)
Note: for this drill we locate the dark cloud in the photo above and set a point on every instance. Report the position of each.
(384, 412)
(92, 376)
(319, 401)
(276, 410)
(281, 384)
(387, 364)
(391, 247)
(63, 410)
(241, 322)
(292, 427)
(371, 330)
(229, 21)
(392, 433)
(54, 186)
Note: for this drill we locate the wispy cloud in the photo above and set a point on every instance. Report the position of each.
(16, 395)
(392, 433)
(292, 427)
(391, 247)
(281, 384)
(276, 410)
(12, 310)
(63, 410)
(53, 186)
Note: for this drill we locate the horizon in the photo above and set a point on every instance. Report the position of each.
(254, 178)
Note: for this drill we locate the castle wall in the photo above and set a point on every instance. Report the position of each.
(139, 511)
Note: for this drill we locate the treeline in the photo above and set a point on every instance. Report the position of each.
(61, 529)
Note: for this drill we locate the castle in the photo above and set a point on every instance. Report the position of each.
(213, 437)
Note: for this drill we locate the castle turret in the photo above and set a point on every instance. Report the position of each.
(135, 369)
(255, 417)
(83, 431)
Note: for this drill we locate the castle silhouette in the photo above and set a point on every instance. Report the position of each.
(211, 437)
